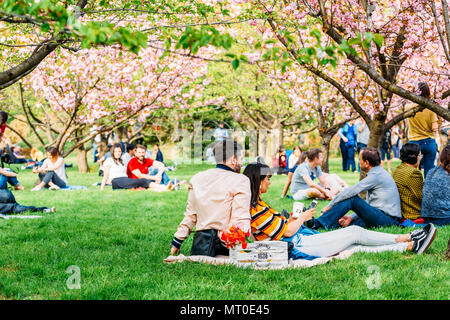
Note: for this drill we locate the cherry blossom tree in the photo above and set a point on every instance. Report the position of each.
(106, 87)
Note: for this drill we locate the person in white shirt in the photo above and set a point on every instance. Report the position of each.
(293, 158)
(126, 157)
(220, 133)
(52, 173)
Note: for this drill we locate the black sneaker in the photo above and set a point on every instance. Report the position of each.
(424, 240)
(417, 234)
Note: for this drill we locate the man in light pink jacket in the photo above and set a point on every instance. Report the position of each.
(218, 198)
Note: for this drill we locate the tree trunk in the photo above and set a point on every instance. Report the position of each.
(326, 140)
(121, 134)
(376, 133)
(447, 253)
(82, 159)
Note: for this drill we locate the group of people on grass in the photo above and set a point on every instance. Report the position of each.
(222, 197)
(130, 170)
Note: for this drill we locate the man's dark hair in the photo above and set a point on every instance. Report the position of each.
(372, 155)
(313, 153)
(130, 146)
(3, 117)
(225, 150)
(141, 146)
(410, 153)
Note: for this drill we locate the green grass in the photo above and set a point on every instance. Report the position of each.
(119, 239)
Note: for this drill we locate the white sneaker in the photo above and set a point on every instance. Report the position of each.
(50, 210)
(36, 189)
(55, 187)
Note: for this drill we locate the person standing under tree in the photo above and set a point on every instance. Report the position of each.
(386, 149)
(424, 131)
(363, 137)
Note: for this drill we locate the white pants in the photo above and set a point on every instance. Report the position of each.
(330, 243)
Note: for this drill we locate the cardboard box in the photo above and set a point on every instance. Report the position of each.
(261, 254)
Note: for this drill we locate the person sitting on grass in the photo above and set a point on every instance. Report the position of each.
(334, 182)
(409, 181)
(436, 192)
(158, 154)
(303, 185)
(218, 199)
(267, 224)
(7, 176)
(382, 207)
(140, 167)
(8, 205)
(300, 160)
(52, 173)
(127, 156)
(115, 174)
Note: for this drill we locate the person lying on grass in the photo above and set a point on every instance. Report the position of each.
(115, 173)
(267, 224)
(8, 205)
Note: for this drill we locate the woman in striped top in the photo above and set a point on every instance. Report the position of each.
(268, 224)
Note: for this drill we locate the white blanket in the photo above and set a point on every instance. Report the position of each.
(6, 217)
(300, 263)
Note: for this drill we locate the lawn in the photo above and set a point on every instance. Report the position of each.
(117, 240)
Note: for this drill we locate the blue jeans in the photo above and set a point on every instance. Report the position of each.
(438, 221)
(8, 204)
(428, 147)
(51, 176)
(368, 216)
(164, 179)
(350, 158)
(344, 154)
(4, 181)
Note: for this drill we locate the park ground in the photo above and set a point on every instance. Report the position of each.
(118, 240)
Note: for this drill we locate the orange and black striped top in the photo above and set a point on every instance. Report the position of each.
(266, 222)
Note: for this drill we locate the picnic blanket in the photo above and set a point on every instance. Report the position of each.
(6, 217)
(299, 264)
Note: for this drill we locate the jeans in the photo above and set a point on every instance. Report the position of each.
(385, 154)
(128, 183)
(327, 244)
(51, 176)
(4, 181)
(350, 158)
(438, 221)
(368, 216)
(8, 204)
(165, 178)
(428, 147)
(344, 154)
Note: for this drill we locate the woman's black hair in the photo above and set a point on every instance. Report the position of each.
(256, 172)
(424, 89)
(410, 153)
